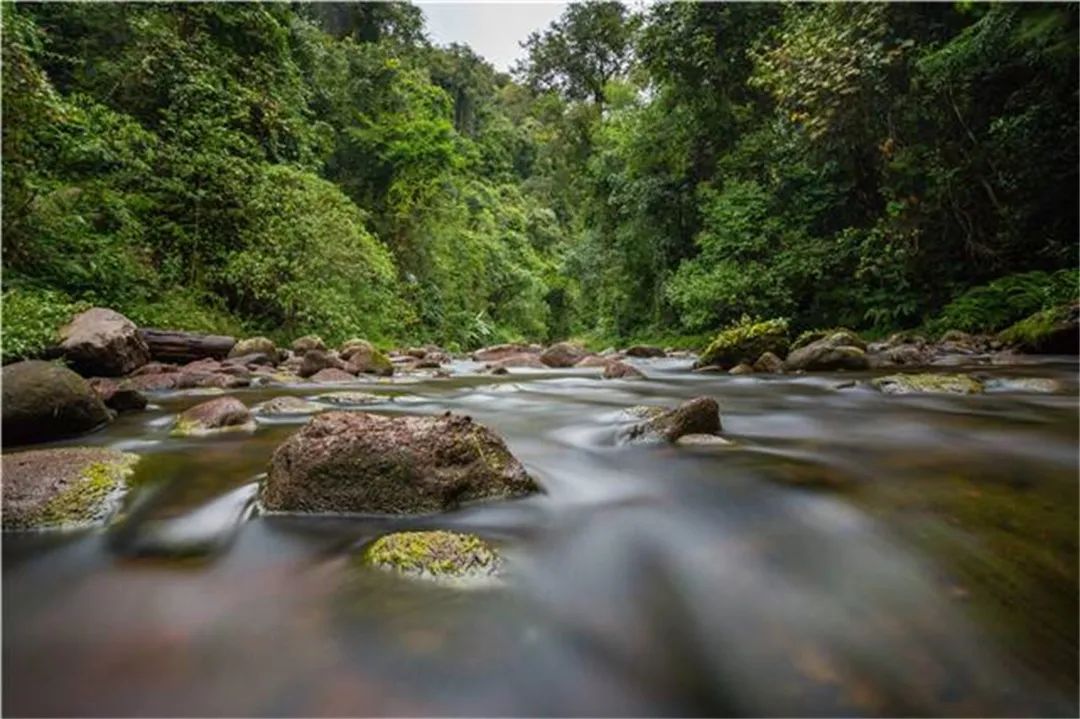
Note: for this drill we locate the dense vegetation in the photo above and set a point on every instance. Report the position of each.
(292, 168)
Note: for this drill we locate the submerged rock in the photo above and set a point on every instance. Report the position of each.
(225, 414)
(103, 342)
(839, 350)
(1040, 385)
(703, 440)
(435, 555)
(700, 415)
(928, 383)
(351, 398)
(288, 404)
(360, 462)
(63, 488)
(43, 401)
(616, 369)
(563, 354)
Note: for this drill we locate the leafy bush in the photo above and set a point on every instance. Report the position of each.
(1006, 300)
(29, 319)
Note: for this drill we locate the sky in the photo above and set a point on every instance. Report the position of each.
(492, 29)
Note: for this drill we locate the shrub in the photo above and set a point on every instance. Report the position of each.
(1006, 300)
(29, 319)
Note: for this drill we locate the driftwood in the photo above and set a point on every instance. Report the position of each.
(180, 347)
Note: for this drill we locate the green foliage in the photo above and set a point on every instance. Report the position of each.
(1032, 332)
(29, 320)
(994, 306)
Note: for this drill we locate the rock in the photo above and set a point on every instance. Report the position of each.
(1041, 385)
(741, 368)
(117, 395)
(369, 360)
(316, 360)
(700, 415)
(928, 383)
(593, 361)
(616, 369)
(252, 360)
(307, 343)
(434, 555)
(187, 380)
(360, 462)
(155, 368)
(103, 342)
(703, 440)
(63, 488)
(841, 335)
(744, 342)
(563, 354)
(350, 347)
(255, 346)
(1052, 331)
(833, 352)
(415, 352)
(644, 351)
(769, 363)
(288, 404)
(904, 354)
(224, 414)
(498, 370)
(332, 374)
(206, 365)
(154, 382)
(496, 353)
(519, 360)
(352, 398)
(44, 401)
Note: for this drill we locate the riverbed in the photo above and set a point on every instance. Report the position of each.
(849, 552)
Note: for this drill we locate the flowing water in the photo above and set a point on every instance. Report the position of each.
(851, 553)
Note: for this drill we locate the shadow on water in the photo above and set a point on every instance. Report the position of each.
(851, 553)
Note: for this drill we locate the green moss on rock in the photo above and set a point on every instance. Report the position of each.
(746, 341)
(928, 383)
(1051, 331)
(436, 555)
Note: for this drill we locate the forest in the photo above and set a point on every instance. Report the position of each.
(657, 174)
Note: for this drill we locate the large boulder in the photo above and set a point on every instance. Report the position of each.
(700, 415)
(1052, 331)
(103, 342)
(255, 346)
(839, 350)
(360, 462)
(308, 343)
(563, 354)
(495, 353)
(223, 414)
(745, 342)
(63, 488)
(368, 359)
(44, 401)
(317, 360)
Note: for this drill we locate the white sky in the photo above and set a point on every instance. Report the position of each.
(492, 28)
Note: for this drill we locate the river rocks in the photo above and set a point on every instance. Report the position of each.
(530, 361)
(768, 363)
(434, 555)
(332, 374)
(117, 395)
(44, 401)
(928, 383)
(839, 350)
(621, 370)
(644, 351)
(741, 368)
(700, 415)
(103, 342)
(360, 462)
(904, 355)
(1052, 331)
(316, 360)
(351, 398)
(218, 415)
(745, 342)
(62, 488)
(594, 361)
(288, 404)
(308, 343)
(495, 353)
(255, 346)
(369, 360)
(563, 354)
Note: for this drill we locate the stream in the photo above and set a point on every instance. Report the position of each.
(850, 553)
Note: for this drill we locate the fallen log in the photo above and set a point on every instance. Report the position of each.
(182, 347)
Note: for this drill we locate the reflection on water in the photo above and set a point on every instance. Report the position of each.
(851, 553)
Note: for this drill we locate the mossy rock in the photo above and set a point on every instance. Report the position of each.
(1051, 331)
(847, 337)
(65, 488)
(928, 384)
(448, 557)
(44, 401)
(255, 346)
(225, 414)
(745, 342)
(288, 404)
(357, 399)
(308, 343)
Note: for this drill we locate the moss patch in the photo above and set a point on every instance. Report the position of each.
(746, 341)
(928, 383)
(435, 555)
(1033, 333)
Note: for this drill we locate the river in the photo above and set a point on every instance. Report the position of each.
(849, 553)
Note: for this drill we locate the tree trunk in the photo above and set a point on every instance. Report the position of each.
(180, 347)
